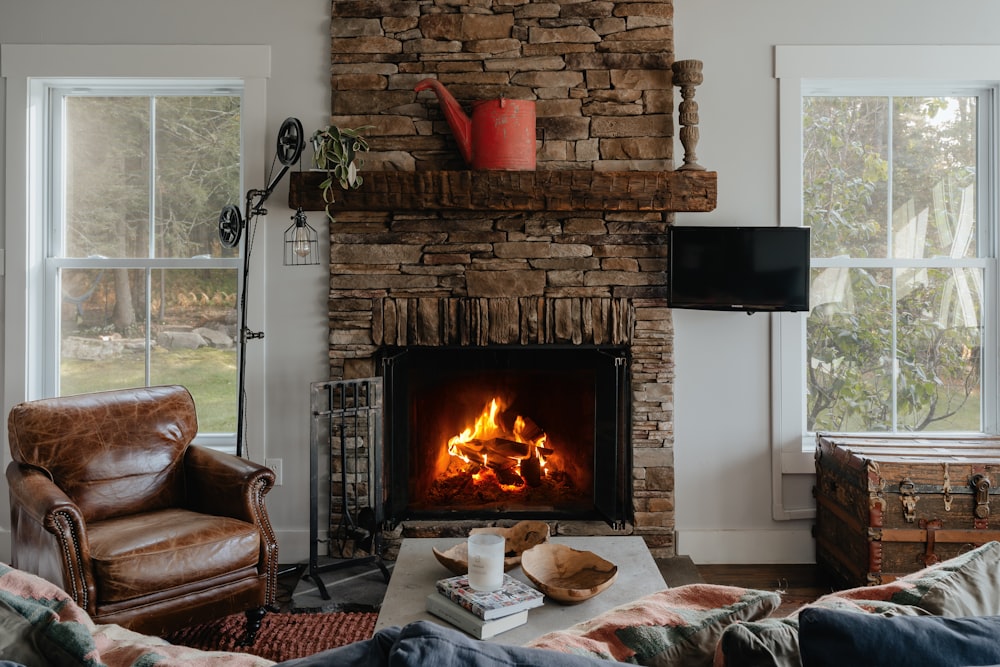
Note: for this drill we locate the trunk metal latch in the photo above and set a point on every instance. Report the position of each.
(981, 488)
(908, 496)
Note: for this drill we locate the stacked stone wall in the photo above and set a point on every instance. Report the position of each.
(600, 75)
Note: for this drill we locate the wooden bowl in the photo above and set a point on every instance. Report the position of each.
(519, 538)
(567, 575)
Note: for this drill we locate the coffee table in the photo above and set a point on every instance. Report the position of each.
(417, 570)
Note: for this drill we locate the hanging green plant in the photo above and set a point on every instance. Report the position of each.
(337, 150)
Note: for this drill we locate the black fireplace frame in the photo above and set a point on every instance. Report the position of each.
(612, 489)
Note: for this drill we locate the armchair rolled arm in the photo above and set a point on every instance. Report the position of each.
(51, 536)
(226, 485)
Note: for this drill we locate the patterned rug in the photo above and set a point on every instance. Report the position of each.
(282, 636)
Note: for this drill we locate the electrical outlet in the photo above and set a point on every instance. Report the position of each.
(275, 465)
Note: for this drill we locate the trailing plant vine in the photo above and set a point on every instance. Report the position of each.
(337, 150)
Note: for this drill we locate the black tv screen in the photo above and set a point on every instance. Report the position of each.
(739, 268)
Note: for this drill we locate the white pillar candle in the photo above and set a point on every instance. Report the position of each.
(486, 561)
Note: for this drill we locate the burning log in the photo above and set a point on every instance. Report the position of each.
(508, 477)
(471, 450)
(511, 446)
(531, 471)
(527, 429)
(510, 449)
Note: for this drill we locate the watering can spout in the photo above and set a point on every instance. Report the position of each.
(460, 124)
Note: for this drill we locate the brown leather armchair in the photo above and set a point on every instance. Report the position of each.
(110, 501)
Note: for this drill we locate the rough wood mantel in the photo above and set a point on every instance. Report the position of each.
(571, 190)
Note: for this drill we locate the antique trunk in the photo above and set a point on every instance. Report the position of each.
(890, 505)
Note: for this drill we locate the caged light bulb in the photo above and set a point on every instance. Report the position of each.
(301, 243)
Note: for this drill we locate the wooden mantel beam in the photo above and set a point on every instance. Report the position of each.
(572, 190)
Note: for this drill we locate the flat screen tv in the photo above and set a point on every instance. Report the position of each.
(748, 269)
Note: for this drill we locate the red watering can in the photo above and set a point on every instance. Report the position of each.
(500, 135)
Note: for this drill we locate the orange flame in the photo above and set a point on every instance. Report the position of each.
(467, 446)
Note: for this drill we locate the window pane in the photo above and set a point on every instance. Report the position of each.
(939, 339)
(934, 177)
(146, 176)
(195, 315)
(845, 175)
(197, 172)
(849, 348)
(103, 337)
(191, 342)
(107, 177)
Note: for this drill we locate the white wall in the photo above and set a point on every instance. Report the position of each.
(298, 32)
(722, 406)
(722, 403)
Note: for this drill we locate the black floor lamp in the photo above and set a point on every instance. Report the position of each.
(301, 241)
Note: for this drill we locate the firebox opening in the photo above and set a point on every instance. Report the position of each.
(509, 431)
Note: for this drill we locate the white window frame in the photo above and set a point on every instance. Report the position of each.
(28, 70)
(879, 70)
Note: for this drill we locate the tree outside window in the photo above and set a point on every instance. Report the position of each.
(896, 321)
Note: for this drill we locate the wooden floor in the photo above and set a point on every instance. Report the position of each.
(798, 584)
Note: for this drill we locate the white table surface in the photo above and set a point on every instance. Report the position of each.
(417, 569)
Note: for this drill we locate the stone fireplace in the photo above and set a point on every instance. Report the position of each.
(435, 270)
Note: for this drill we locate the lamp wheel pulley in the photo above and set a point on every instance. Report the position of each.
(230, 226)
(291, 141)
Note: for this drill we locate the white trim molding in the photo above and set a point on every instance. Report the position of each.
(23, 64)
(869, 69)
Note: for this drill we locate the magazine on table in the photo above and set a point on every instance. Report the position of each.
(511, 597)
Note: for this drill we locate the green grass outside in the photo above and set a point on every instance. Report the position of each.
(208, 373)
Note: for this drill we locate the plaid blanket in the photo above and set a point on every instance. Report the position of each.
(41, 625)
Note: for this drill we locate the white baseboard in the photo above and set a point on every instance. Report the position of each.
(293, 546)
(731, 547)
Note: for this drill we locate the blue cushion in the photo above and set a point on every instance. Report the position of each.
(426, 644)
(834, 638)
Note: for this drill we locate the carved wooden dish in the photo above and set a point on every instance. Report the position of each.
(567, 575)
(519, 538)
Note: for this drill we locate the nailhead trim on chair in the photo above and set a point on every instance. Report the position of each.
(63, 523)
(260, 487)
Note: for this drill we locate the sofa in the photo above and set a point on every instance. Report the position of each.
(947, 615)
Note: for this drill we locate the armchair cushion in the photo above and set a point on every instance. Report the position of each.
(187, 547)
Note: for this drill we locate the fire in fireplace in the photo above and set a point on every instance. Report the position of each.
(508, 432)
(507, 459)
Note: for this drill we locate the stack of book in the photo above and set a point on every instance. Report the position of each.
(483, 614)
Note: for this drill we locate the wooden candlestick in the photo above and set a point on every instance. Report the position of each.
(687, 75)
